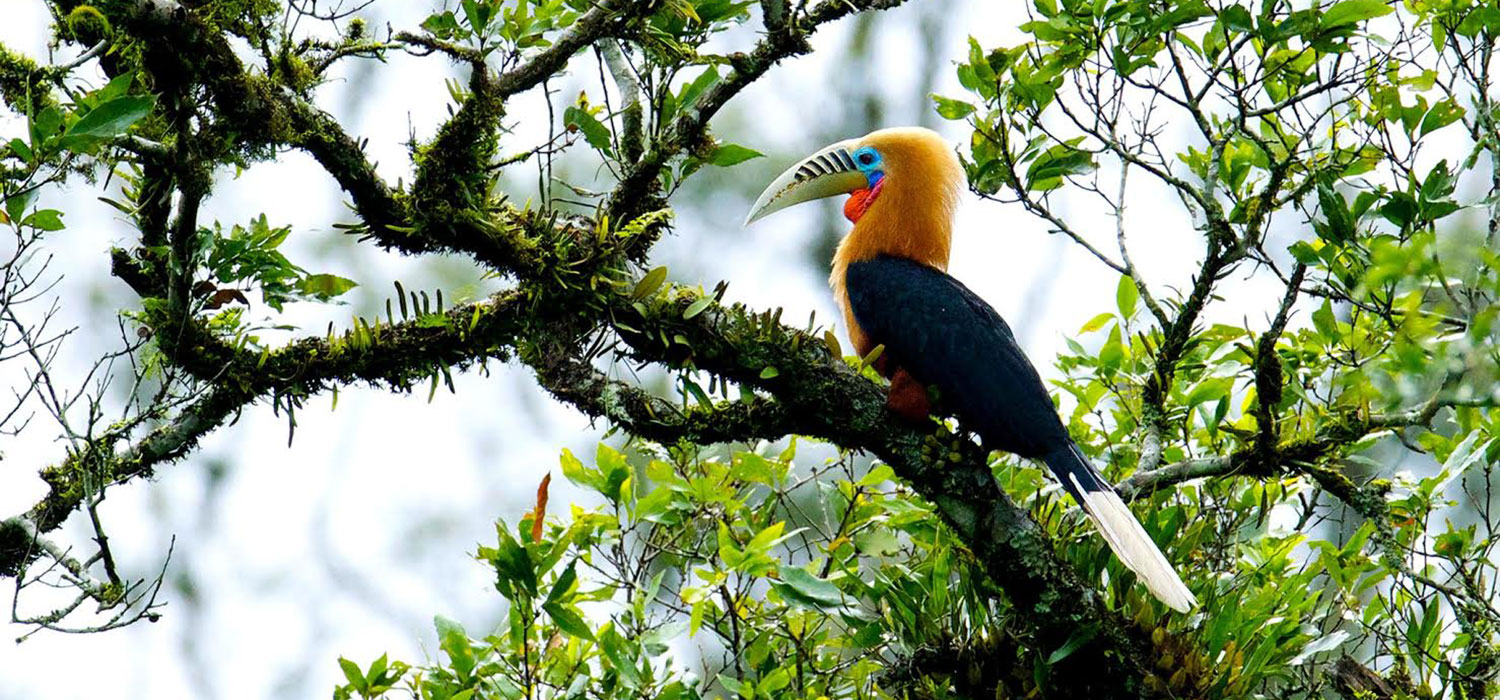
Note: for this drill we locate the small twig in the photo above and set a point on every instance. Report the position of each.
(1130, 269)
(632, 140)
(93, 52)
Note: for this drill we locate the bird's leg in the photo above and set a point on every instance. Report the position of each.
(907, 397)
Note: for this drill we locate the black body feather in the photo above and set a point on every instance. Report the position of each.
(946, 336)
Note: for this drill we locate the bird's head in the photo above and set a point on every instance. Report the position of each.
(909, 167)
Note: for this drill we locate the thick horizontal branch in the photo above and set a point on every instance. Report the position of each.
(577, 382)
(396, 356)
(66, 481)
(1292, 456)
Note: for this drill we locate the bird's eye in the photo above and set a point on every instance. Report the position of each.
(866, 158)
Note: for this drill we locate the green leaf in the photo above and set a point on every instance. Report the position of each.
(878, 543)
(755, 469)
(879, 474)
(696, 307)
(774, 681)
(769, 373)
(1352, 11)
(576, 472)
(764, 540)
(594, 132)
(16, 205)
(19, 147)
(377, 670)
(615, 468)
(1048, 169)
(698, 393)
(1335, 211)
(1439, 182)
(649, 283)
(1113, 351)
(567, 619)
(691, 91)
(731, 554)
(443, 25)
(831, 342)
(1237, 18)
(449, 629)
(1454, 543)
(1074, 643)
(1096, 322)
(1304, 253)
(563, 583)
(116, 87)
(949, 108)
(454, 642)
(1442, 113)
(744, 690)
(801, 587)
(1211, 389)
(324, 287)
(44, 127)
(44, 220)
(620, 658)
(1325, 322)
(1126, 296)
(478, 14)
(512, 562)
(732, 154)
(1319, 644)
(1400, 209)
(352, 673)
(109, 120)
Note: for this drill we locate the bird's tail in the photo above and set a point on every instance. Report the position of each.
(1120, 528)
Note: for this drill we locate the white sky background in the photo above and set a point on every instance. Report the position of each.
(348, 541)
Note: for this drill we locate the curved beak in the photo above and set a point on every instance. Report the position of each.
(831, 171)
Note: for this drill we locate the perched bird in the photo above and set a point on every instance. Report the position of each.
(889, 277)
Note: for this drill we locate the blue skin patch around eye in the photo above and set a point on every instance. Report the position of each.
(868, 161)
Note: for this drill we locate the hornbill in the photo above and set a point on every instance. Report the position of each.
(889, 278)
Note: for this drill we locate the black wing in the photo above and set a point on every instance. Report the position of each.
(947, 337)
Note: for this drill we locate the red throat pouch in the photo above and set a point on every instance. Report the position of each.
(860, 201)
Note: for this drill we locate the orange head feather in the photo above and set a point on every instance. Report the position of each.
(909, 212)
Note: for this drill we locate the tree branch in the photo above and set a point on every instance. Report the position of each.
(396, 356)
(590, 391)
(604, 19)
(634, 194)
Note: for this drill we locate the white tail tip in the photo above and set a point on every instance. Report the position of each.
(1135, 548)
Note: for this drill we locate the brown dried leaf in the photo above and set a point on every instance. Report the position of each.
(224, 296)
(539, 514)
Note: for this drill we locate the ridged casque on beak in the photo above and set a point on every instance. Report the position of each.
(831, 171)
